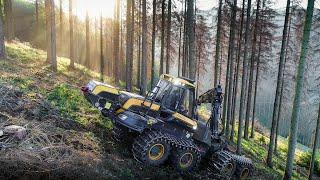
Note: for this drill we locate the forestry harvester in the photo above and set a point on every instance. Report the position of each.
(163, 128)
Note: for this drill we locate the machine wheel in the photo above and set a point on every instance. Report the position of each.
(185, 159)
(151, 148)
(244, 167)
(222, 165)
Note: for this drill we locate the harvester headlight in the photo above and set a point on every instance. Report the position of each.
(195, 127)
(122, 117)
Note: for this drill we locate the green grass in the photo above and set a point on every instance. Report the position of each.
(257, 148)
(64, 96)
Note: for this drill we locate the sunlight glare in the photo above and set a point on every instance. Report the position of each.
(94, 8)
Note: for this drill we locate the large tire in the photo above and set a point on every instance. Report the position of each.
(185, 159)
(244, 167)
(151, 148)
(221, 165)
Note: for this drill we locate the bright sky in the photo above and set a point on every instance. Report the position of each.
(95, 8)
(106, 7)
(278, 4)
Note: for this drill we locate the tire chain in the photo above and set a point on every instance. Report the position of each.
(139, 149)
(242, 162)
(218, 161)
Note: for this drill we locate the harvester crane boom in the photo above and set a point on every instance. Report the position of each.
(215, 97)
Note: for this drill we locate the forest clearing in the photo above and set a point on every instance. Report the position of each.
(159, 89)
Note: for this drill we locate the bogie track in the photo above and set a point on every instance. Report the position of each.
(185, 156)
(221, 165)
(244, 167)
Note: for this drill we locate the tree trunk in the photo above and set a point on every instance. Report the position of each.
(139, 48)
(144, 48)
(168, 38)
(315, 147)
(2, 44)
(122, 60)
(179, 51)
(51, 34)
(281, 91)
(244, 77)
(231, 63)
(61, 23)
(256, 88)
(277, 96)
(162, 35)
(298, 90)
(87, 62)
(235, 92)
(9, 21)
(71, 35)
(191, 47)
(36, 34)
(253, 59)
(184, 44)
(154, 14)
(116, 43)
(101, 51)
(129, 44)
(216, 61)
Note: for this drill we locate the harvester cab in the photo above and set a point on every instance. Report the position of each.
(164, 125)
(172, 95)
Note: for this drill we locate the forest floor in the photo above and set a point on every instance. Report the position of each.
(67, 138)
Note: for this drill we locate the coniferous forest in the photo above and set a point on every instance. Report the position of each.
(159, 89)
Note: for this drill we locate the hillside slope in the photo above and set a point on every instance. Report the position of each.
(66, 137)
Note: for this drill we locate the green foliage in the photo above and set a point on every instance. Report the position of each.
(24, 84)
(262, 140)
(71, 102)
(304, 159)
(23, 53)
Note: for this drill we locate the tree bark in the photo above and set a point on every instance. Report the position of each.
(217, 56)
(61, 22)
(168, 38)
(139, 48)
(154, 14)
(129, 44)
(231, 63)
(256, 87)
(144, 48)
(298, 90)
(101, 50)
(71, 35)
(315, 147)
(51, 34)
(278, 90)
(162, 35)
(191, 47)
(87, 62)
(9, 21)
(253, 59)
(281, 91)
(184, 44)
(37, 30)
(2, 44)
(116, 43)
(179, 51)
(244, 77)
(235, 91)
